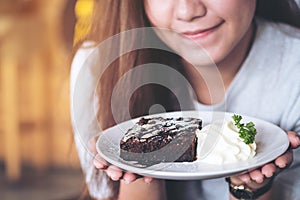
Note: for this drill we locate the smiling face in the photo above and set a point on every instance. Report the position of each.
(218, 26)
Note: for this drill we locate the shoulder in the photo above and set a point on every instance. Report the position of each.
(285, 50)
(283, 35)
(280, 29)
(280, 45)
(290, 37)
(275, 59)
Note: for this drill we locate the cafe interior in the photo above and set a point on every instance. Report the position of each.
(38, 159)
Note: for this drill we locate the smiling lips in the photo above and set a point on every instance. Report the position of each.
(194, 35)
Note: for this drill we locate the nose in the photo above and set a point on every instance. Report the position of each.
(188, 10)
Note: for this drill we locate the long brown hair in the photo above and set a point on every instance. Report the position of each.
(110, 18)
(285, 11)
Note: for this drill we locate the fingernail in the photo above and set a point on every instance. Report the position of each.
(148, 181)
(283, 165)
(126, 181)
(98, 165)
(245, 180)
(248, 181)
(259, 180)
(269, 175)
(114, 178)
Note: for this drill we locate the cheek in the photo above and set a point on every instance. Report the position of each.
(237, 12)
(159, 12)
(238, 16)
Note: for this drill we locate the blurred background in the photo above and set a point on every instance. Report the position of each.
(38, 159)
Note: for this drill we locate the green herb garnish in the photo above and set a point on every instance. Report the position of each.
(246, 132)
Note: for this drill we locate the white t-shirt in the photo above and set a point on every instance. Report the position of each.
(267, 86)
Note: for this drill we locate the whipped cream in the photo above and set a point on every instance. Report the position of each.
(219, 143)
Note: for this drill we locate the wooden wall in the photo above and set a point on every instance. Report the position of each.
(34, 86)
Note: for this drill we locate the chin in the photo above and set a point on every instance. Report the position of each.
(202, 58)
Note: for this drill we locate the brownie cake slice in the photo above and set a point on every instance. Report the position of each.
(155, 140)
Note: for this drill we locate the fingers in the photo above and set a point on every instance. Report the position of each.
(148, 179)
(129, 177)
(259, 175)
(255, 175)
(117, 174)
(245, 178)
(268, 170)
(284, 160)
(114, 173)
(256, 178)
(99, 162)
(294, 139)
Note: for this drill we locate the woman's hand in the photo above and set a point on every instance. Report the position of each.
(112, 171)
(261, 176)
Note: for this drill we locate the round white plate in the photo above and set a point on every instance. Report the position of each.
(271, 142)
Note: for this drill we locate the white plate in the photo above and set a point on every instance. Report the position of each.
(271, 142)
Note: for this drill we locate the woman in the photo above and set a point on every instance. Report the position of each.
(238, 37)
